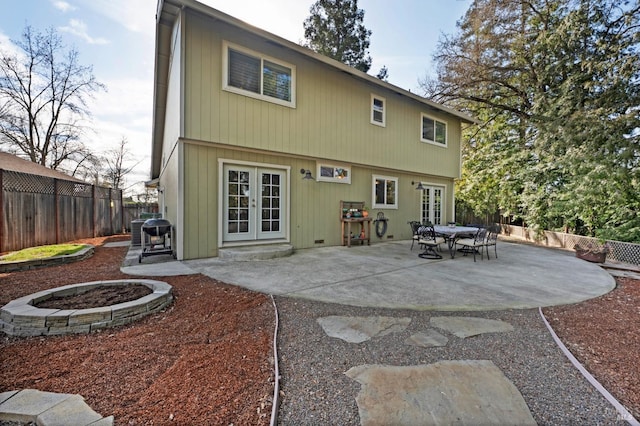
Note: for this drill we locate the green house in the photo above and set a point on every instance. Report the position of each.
(242, 116)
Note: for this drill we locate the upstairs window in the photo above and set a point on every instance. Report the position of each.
(251, 74)
(433, 131)
(378, 115)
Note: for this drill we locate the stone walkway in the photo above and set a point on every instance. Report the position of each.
(447, 392)
(48, 409)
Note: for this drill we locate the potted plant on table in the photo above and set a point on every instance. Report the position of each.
(592, 252)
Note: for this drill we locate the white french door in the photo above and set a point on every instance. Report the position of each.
(431, 204)
(254, 203)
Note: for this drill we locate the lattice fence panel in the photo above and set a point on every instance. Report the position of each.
(624, 252)
(620, 251)
(39, 210)
(22, 182)
(75, 189)
(102, 193)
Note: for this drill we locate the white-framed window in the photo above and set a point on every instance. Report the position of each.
(252, 74)
(432, 130)
(378, 110)
(385, 192)
(333, 173)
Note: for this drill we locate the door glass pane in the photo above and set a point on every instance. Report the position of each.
(437, 206)
(270, 202)
(238, 202)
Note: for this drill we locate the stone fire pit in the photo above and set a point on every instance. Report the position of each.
(21, 317)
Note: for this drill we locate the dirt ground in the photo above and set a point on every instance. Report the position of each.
(97, 297)
(207, 358)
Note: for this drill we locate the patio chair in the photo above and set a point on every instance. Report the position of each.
(415, 231)
(492, 240)
(429, 242)
(475, 244)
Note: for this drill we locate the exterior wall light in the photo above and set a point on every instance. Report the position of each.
(419, 187)
(307, 174)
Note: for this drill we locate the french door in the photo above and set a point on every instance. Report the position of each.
(431, 204)
(254, 203)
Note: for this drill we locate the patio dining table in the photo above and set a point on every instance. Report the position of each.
(453, 233)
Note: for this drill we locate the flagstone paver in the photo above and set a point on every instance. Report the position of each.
(361, 329)
(427, 339)
(448, 392)
(469, 326)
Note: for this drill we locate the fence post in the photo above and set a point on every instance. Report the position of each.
(122, 227)
(110, 211)
(1, 210)
(94, 214)
(56, 209)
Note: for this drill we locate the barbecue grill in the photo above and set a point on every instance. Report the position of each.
(157, 238)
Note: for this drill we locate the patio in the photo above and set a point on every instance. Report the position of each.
(389, 275)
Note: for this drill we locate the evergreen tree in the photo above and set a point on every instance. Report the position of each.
(558, 83)
(335, 29)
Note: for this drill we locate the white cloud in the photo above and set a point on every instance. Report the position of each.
(63, 6)
(79, 29)
(136, 16)
(124, 111)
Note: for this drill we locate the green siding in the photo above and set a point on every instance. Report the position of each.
(315, 205)
(331, 120)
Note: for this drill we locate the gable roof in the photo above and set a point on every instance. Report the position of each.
(166, 14)
(12, 163)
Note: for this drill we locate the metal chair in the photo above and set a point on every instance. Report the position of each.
(415, 227)
(492, 240)
(429, 241)
(475, 244)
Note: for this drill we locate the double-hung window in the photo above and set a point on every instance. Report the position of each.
(251, 74)
(433, 131)
(378, 113)
(385, 192)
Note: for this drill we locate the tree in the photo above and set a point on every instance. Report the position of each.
(335, 29)
(558, 83)
(115, 169)
(43, 93)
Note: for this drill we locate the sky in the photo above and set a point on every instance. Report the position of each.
(117, 38)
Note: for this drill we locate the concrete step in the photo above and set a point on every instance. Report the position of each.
(259, 252)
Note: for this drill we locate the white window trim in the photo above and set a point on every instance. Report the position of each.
(225, 75)
(373, 192)
(321, 178)
(384, 111)
(446, 130)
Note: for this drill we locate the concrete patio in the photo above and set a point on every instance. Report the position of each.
(390, 275)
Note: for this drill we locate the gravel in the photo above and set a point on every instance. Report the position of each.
(315, 390)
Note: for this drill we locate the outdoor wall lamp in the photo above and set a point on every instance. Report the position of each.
(307, 174)
(419, 187)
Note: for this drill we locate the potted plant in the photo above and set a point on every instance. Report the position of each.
(592, 253)
(365, 211)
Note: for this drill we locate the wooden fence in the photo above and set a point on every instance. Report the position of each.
(134, 211)
(37, 210)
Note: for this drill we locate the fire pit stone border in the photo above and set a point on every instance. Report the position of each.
(21, 317)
